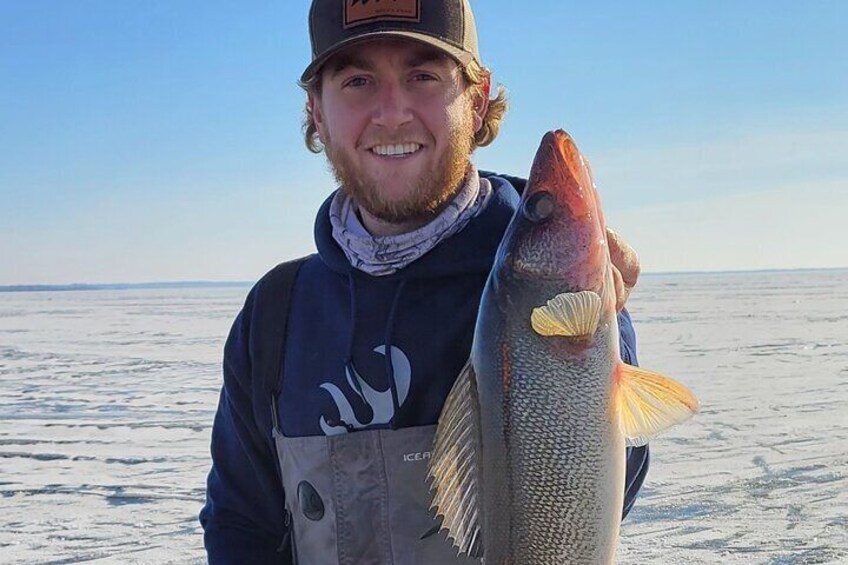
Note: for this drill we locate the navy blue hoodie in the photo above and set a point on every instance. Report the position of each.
(342, 323)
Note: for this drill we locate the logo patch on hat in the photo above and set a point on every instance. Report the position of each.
(358, 12)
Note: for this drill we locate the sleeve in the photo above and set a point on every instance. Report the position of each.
(243, 518)
(638, 458)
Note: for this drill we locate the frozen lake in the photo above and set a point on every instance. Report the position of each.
(107, 401)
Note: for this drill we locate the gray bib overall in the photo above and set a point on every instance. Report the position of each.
(360, 498)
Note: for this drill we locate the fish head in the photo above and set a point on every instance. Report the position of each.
(558, 233)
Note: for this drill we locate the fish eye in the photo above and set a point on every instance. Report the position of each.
(539, 206)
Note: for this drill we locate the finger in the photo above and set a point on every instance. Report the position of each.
(622, 291)
(624, 258)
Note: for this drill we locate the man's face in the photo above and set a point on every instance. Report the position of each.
(397, 124)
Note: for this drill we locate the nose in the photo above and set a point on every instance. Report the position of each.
(392, 106)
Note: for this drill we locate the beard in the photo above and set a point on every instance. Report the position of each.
(425, 196)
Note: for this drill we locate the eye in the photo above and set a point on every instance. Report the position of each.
(355, 82)
(539, 207)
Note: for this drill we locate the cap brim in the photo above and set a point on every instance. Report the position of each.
(460, 55)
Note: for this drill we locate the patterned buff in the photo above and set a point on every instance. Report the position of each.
(384, 255)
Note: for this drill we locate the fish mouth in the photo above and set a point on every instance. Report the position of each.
(559, 169)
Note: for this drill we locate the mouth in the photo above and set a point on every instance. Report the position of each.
(396, 150)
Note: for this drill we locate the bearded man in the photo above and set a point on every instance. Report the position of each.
(330, 465)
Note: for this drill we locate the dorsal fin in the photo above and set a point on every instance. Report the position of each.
(454, 466)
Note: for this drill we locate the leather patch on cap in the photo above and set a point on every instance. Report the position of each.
(358, 12)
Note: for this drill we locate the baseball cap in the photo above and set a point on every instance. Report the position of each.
(445, 24)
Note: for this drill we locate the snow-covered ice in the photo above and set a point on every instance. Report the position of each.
(105, 417)
(107, 401)
(761, 474)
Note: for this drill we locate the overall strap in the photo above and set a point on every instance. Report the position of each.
(268, 335)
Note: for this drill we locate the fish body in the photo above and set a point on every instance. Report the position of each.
(529, 461)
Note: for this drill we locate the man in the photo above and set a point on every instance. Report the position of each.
(330, 468)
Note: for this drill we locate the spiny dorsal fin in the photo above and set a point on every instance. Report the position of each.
(568, 314)
(454, 466)
(649, 403)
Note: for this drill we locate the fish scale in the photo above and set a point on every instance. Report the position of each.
(552, 468)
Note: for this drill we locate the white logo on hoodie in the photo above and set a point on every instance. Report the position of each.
(380, 402)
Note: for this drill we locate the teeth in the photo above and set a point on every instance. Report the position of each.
(397, 149)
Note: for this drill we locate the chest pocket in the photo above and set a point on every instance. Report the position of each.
(361, 498)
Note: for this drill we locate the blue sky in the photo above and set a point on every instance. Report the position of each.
(160, 139)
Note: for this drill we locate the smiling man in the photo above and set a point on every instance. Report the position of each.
(402, 159)
(334, 380)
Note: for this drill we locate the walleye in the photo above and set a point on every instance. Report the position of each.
(528, 462)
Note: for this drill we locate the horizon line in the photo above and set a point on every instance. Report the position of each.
(152, 285)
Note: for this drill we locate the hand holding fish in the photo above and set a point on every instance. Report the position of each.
(625, 267)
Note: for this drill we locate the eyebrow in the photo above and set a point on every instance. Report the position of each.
(344, 60)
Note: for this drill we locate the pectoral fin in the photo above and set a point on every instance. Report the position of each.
(454, 466)
(568, 314)
(649, 403)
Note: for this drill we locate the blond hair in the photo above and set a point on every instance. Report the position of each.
(475, 77)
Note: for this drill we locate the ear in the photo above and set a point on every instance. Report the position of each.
(313, 102)
(480, 103)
